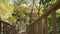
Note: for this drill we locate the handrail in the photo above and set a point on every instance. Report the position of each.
(7, 28)
(55, 6)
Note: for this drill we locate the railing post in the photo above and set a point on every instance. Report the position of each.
(40, 27)
(46, 24)
(34, 28)
(4, 28)
(28, 29)
(54, 22)
(0, 27)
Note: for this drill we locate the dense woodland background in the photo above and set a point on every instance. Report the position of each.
(22, 12)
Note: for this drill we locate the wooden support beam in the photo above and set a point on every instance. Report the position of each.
(46, 24)
(54, 22)
(40, 27)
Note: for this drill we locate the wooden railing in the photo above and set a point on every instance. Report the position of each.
(6, 28)
(41, 27)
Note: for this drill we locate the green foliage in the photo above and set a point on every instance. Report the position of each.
(5, 9)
